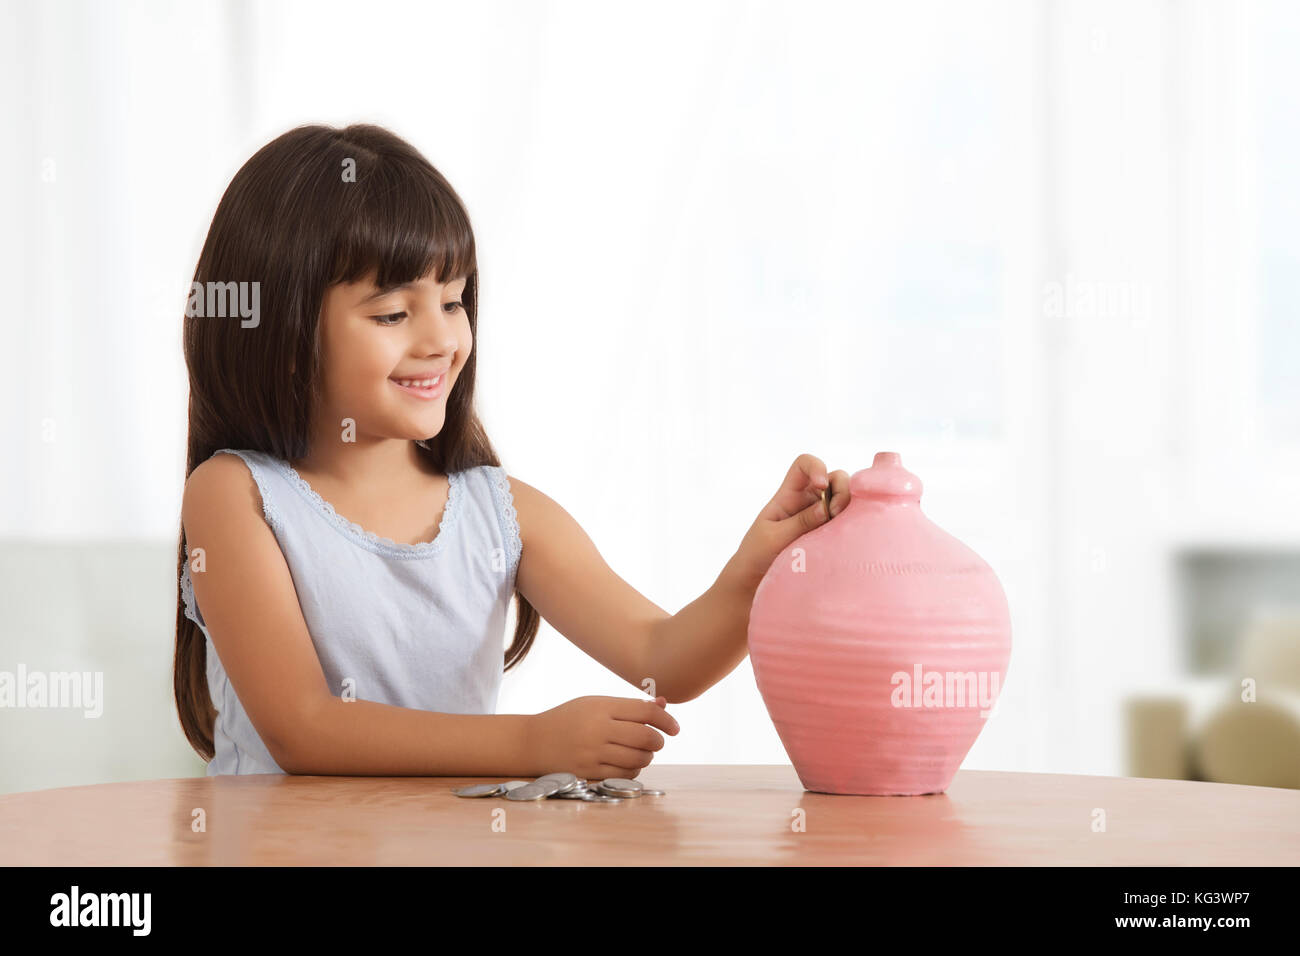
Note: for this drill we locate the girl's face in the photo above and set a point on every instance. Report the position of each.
(373, 340)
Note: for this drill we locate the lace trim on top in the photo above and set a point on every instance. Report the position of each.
(368, 539)
(187, 594)
(510, 517)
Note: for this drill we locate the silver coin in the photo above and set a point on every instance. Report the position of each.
(548, 787)
(512, 785)
(620, 787)
(529, 791)
(601, 798)
(647, 792)
(565, 781)
(478, 790)
(570, 795)
(562, 777)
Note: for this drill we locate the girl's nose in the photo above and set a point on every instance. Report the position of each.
(439, 335)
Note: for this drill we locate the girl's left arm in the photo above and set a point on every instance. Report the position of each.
(565, 578)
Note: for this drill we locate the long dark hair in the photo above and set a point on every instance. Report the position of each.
(314, 207)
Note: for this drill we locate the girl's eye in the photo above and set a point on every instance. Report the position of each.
(396, 317)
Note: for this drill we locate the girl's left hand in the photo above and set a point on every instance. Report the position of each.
(797, 508)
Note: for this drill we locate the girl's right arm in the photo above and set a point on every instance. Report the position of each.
(252, 614)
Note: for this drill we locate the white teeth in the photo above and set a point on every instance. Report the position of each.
(420, 383)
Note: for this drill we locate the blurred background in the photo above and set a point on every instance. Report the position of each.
(1043, 250)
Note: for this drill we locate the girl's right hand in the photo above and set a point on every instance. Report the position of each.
(598, 737)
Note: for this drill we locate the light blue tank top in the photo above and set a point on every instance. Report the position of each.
(412, 625)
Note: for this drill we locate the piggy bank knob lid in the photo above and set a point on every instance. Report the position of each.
(886, 478)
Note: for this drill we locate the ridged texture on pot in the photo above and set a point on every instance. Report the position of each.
(877, 592)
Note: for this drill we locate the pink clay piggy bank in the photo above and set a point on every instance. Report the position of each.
(879, 643)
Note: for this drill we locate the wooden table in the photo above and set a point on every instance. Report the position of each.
(712, 814)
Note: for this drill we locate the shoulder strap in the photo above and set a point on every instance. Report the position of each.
(507, 518)
(259, 466)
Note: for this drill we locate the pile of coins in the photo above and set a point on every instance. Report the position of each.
(562, 786)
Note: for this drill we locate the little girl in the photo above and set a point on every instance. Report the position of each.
(350, 542)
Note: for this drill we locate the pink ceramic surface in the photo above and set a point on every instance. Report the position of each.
(879, 643)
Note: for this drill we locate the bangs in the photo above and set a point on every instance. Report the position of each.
(403, 223)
